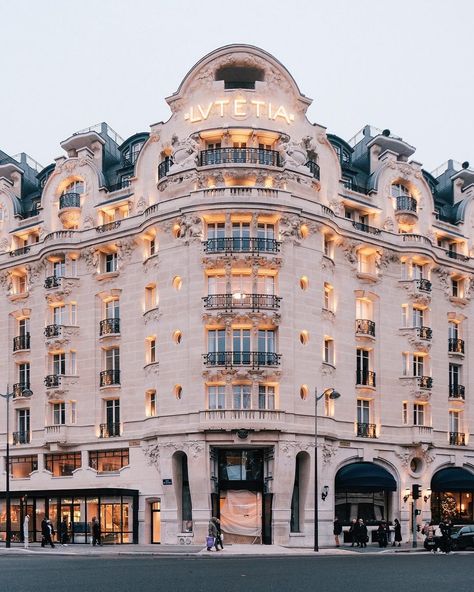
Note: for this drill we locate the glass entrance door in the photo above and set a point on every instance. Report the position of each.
(156, 523)
(111, 522)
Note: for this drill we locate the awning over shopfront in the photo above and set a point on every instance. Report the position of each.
(364, 477)
(452, 479)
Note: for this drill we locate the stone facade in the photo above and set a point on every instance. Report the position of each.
(246, 262)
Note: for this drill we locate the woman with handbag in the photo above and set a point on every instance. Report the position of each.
(211, 540)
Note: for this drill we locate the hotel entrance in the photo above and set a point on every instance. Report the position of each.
(241, 502)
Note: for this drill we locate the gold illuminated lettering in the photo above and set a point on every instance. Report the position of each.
(192, 117)
(205, 114)
(238, 103)
(257, 104)
(281, 112)
(270, 111)
(221, 104)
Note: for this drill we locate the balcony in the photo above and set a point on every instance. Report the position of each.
(123, 184)
(70, 209)
(52, 331)
(313, 168)
(55, 434)
(21, 342)
(425, 382)
(164, 167)
(109, 430)
(21, 438)
(424, 333)
(457, 256)
(365, 378)
(52, 380)
(406, 210)
(238, 300)
(251, 156)
(366, 228)
(228, 245)
(247, 419)
(366, 430)
(457, 439)
(348, 184)
(423, 285)
(18, 389)
(110, 378)
(456, 346)
(457, 391)
(20, 251)
(109, 226)
(109, 327)
(228, 359)
(365, 327)
(52, 281)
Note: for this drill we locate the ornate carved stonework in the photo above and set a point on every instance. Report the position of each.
(328, 451)
(91, 257)
(190, 228)
(292, 447)
(421, 451)
(290, 228)
(152, 369)
(151, 315)
(125, 247)
(349, 249)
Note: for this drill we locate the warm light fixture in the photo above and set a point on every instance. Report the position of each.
(427, 494)
(324, 492)
(407, 494)
(239, 295)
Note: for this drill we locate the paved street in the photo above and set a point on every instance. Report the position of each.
(391, 573)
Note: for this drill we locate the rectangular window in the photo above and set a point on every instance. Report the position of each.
(363, 309)
(266, 284)
(404, 270)
(73, 409)
(73, 267)
(150, 297)
(454, 422)
(24, 374)
(241, 236)
(59, 315)
(454, 376)
(216, 397)
(405, 315)
(72, 363)
(108, 461)
(73, 313)
(417, 271)
(241, 346)
(111, 262)
(59, 364)
(216, 284)
(241, 285)
(112, 358)
(241, 396)
(62, 465)
(453, 330)
(23, 424)
(59, 268)
(112, 412)
(152, 351)
(328, 351)
(151, 247)
(418, 317)
(265, 231)
(328, 297)
(21, 467)
(216, 231)
(363, 365)
(112, 309)
(418, 414)
(328, 247)
(59, 413)
(365, 263)
(418, 365)
(266, 396)
(363, 411)
(405, 413)
(455, 291)
(151, 404)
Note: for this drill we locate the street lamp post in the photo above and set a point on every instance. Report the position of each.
(7, 396)
(332, 394)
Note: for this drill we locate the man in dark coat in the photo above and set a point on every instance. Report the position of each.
(47, 531)
(95, 532)
(362, 533)
(337, 531)
(353, 533)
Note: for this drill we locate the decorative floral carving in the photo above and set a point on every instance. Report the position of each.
(185, 152)
(34, 271)
(349, 249)
(290, 227)
(328, 452)
(125, 247)
(152, 454)
(91, 257)
(88, 222)
(190, 228)
(151, 315)
(388, 224)
(292, 447)
(152, 369)
(337, 207)
(444, 279)
(141, 205)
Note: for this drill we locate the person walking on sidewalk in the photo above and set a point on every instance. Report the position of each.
(64, 532)
(95, 527)
(212, 535)
(26, 530)
(362, 534)
(382, 535)
(397, 532)
(219, 535)
(337, 531)
(47, 531)
(353, 530)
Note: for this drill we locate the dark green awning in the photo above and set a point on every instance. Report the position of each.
(364, 477)
(453, 479)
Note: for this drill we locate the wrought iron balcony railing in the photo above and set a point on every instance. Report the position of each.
(117, 186)
(218, 156)
(365, 327)
(109, 226)
(457, 256)
(456, 391)
(109, 430)
(314, 168)
(456, 346)
(21, 437)
(69, 200)
(18, 389)
(109, 326)
(366, 430)
(366, 228)
(241, 245)
(365, 378)
(52, 281)
(406, 204)
(424, 333)
(231, 301)
(423, 285)
(20, 251)
(457, 439)
(109, 377)
(52, 330)
(242, 358)
(164, 167)
(21, 342)
(425, 382)
(52, 380)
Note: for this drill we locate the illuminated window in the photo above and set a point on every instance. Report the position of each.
(328, 352)
(216, 396)
(151, 408)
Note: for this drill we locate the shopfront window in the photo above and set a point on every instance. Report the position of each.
(108, 461)
(21, 467)
(370, 506)
(62, 465)
(457, 505)
(240, 465)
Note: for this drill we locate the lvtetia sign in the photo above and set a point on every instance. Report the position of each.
(240, 109)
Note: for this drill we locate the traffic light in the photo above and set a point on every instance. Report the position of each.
(416, 491)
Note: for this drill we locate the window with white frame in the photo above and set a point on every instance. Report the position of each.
(24, 374)
(266, 396)
(266, 284)
(216, 284)
(405, 315)
(328, 297)
(59, 267)
(59, 364)
(59, 413)
(216, 230)
(112, 309)
(241, 396)
(75, 187)
(109, 262)
(418, 271)
(364, 308)
(151, 404)
(328, 353)
(151, 350)
(399, 190)
(419, 414)
(418, 317)
(241, 285)
(73, 411)
(453, 330)
(365, 262)
(363, 411)
(418, 365)
(59, 315)
(405, 419)
(112, 358)
(216, 396)
(20, 283)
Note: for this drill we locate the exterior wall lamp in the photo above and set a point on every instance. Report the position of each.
(407, 494)
(324, 492)
(427, 494)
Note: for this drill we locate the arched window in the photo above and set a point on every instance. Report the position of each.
(399, 190)
(76, 186)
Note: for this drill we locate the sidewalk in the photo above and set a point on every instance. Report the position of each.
(200, 551)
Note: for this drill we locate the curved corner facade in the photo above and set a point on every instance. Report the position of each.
(174, 301)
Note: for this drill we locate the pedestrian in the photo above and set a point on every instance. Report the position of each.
(219, 535)
(95, 527)
(430, 543)
(212, 535)
(26, 530)
(47, 531)
(382, 535)
(337, 531)
(353, 532)
(388, 531)
(446, 528)
(362, 534)
(64, 532)
(397, 532)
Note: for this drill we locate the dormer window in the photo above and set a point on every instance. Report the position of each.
(239, 77)
(130, 154)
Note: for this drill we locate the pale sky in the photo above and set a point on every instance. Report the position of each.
(406, 65)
